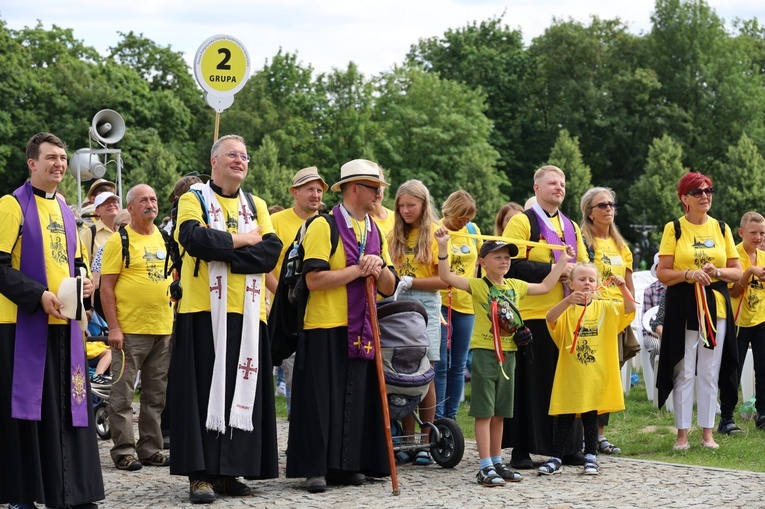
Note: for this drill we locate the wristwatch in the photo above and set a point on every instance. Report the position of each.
(718, 273)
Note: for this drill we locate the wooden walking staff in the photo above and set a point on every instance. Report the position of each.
(372, 304)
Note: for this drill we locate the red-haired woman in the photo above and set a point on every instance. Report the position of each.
(697, 259)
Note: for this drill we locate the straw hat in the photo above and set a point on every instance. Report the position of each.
(359, 169)
(70, 295)
(101, 183)
(307, 175)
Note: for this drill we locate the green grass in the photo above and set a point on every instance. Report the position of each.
(647, 433)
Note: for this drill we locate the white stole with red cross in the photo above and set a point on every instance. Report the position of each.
(249, 361)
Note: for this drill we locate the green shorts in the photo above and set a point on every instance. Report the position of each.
(491, 394)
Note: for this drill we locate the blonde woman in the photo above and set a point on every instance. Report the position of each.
(414, 253)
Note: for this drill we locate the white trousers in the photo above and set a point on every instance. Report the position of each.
(702, 363)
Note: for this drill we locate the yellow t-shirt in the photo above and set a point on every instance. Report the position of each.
(386, 225)
(103, 233)
(463, 255)
(697, 246)
(536, 306)
(54, 247)
(611, 261)
(196, 290)
(411, 266)
(286, 224)
(589, 378)
(753, 309)
(514, 290)
(142, 290)
(95, 348)
(327, 309)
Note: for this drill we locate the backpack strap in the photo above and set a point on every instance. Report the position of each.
(125, 246)
(534, 226)
(93, 232)
(472, 231)
(676, 223)
(590, 250)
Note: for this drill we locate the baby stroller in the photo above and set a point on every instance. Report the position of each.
(100, 386)
(408, 373)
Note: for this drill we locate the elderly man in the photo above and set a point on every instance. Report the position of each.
(106, 207)
(88, 206)
(221, 388)
(134, 296)
(49, 453)
(336, 426)
(531, 430)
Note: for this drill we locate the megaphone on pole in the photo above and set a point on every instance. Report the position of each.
(107, 127)
(86, 166)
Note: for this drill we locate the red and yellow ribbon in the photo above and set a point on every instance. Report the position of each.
(497, 341)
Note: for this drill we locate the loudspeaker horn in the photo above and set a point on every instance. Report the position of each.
(107, 127)
(86, 166)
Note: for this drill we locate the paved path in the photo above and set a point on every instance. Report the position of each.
(622, 483)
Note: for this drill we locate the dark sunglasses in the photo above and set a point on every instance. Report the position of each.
(696, 193)
(376, 189)
(605, 204)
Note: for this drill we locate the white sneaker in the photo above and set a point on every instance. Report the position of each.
(281, 389)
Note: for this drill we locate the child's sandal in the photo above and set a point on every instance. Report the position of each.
(607, 447)
(550, 467)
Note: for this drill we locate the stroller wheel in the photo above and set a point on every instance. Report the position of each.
(448, 450)
(101, 416)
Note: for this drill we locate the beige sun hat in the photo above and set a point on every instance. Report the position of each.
(359, 169)
(71, 297)
(101, 183)
(307, 175)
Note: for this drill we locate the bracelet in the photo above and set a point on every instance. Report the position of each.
(693, 276)
(114, 329)
(686, 274)
(443, 257)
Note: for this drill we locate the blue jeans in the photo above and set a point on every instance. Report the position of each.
(450, 370)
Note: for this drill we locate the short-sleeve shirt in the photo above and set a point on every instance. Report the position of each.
(386, 225)
(54, 247)
(536, 306)
(697, 246)
(611, 261)
(411, 266)
(463, 255)
(589, 377)
(327, 309)
(142, 290)
(196, 289)
(752, 310)
(514, 290)
(286, 224)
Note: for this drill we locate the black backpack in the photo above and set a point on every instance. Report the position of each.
(285, 321)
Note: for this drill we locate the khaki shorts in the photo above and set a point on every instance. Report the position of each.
(491, 394)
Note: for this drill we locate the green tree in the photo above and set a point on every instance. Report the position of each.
(739, 182)
(488, 56)
(266, 177)
(435, 130)
(565, 155)
(654, 194)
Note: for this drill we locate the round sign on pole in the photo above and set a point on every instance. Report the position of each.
(221, 67)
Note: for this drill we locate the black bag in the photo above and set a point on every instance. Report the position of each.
(522, 336)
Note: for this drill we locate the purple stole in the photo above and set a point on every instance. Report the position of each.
(551, 236)
(360, 340)
(32, 329)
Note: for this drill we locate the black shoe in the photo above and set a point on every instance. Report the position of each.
(728, 427)
(576, 459)
(231, 486)
(317, 484)
(201, 492)
(520, 460)
(759, 421)
(346, 478)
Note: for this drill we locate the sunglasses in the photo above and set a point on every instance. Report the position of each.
(376, 189)
(606, 204)
(696, 193)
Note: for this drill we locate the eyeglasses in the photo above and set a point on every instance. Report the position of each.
(605, 204)
(696, 193)
(376, 189)
(233, 155)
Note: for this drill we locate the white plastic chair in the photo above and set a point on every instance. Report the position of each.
(747, 376)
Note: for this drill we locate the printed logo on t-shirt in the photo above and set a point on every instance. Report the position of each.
(57, 242)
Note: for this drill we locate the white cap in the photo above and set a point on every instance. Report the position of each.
(102, 197)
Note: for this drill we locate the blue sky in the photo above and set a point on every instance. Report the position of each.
(324, 33)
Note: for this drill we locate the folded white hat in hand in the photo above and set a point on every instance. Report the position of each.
(70, 295)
